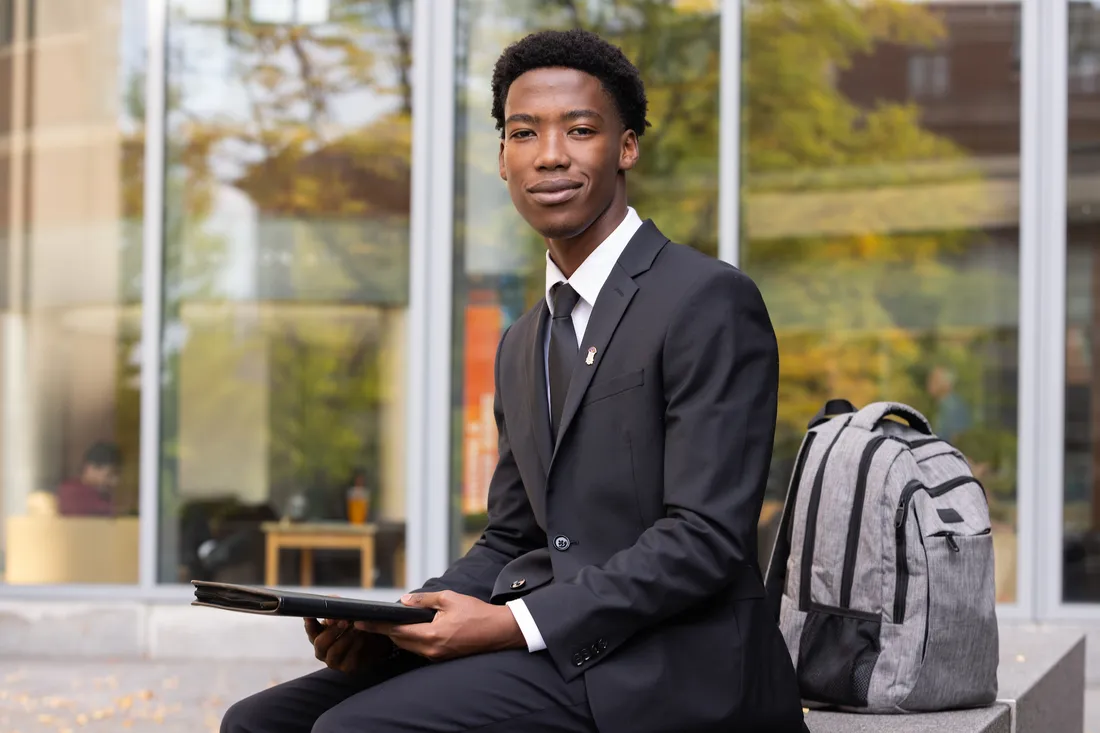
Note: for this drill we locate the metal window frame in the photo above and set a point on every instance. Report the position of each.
(429, 439)
(729, 132)
(1051, 46)
(1038, 419)
(427, 424)
(152, 291)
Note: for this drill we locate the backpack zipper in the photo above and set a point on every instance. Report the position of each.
(927, 599)
(914, 444)
(941, 489)
(950, 536)
(902, 587)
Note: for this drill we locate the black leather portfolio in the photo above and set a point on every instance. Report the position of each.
(273, 602)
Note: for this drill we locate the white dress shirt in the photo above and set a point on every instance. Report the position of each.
(588, 281)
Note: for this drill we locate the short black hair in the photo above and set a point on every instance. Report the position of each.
(103, 454)
(580, 50)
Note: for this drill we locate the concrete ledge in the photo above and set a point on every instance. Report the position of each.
(55, 629)
(1042, 689)
(996, 719)
(135, 630)
(185, 632)
(1043, 670)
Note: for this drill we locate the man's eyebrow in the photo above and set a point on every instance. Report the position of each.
(573, 114)
(522, 117)
(578, 114)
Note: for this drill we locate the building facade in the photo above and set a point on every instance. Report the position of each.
(255, 259)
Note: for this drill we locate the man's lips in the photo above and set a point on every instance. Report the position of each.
(556, 191)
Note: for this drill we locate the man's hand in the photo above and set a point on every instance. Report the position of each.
(462, 626)
(343, 648)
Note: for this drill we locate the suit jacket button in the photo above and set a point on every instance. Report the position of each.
(602, 645)
(517, 584)
(578, 660)
(561, 542)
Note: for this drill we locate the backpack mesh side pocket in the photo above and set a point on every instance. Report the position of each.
(837, 654)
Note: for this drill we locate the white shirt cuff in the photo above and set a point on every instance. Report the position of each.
(535, 642)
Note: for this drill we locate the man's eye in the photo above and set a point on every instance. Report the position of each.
(522, 133)
(583, 131)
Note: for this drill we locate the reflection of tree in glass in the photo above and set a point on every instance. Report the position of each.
(325, 412)
(319, 141)
(326, 132)
(859, 226)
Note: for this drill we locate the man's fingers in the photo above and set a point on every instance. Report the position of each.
(313, 629)
(412, 644)
(418, 638)
(427, 600)
(374, 627)
(336, 653)
(326, 639)
(350, 661)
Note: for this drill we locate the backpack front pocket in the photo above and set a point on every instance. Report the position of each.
(961, 633)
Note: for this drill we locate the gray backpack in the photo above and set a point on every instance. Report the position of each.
(881, 576)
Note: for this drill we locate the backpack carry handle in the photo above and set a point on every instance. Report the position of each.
(829, 410)
(871, 416)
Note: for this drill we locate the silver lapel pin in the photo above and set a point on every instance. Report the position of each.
(591, 356)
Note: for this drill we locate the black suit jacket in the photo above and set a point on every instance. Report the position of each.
(633, 539)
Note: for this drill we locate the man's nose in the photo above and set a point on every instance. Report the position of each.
(552, 154)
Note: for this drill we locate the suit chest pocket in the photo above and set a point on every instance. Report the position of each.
(615, 385)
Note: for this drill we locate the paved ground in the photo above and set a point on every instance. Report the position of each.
(139, 697)
(158, 697)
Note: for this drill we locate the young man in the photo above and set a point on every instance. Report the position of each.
(616, 586)
(92, 494)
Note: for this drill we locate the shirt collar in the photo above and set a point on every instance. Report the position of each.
(590, 277)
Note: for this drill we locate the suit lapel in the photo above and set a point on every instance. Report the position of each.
(611, 304)
(615, 296)
(536, 387)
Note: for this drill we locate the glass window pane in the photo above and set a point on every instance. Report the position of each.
(71, 167)
(499, 260)
(286, 293)
(881, 193)
(1081, 572)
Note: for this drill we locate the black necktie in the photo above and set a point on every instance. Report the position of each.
(563, 350)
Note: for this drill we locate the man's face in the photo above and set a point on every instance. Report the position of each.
(564, 145)
(104, 477)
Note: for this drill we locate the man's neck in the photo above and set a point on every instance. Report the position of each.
(569, 254)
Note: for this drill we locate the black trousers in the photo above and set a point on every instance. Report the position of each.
(514, 691)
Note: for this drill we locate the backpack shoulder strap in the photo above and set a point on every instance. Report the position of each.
(775, 580)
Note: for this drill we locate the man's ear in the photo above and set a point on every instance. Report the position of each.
(500, 162)
(628, 150)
